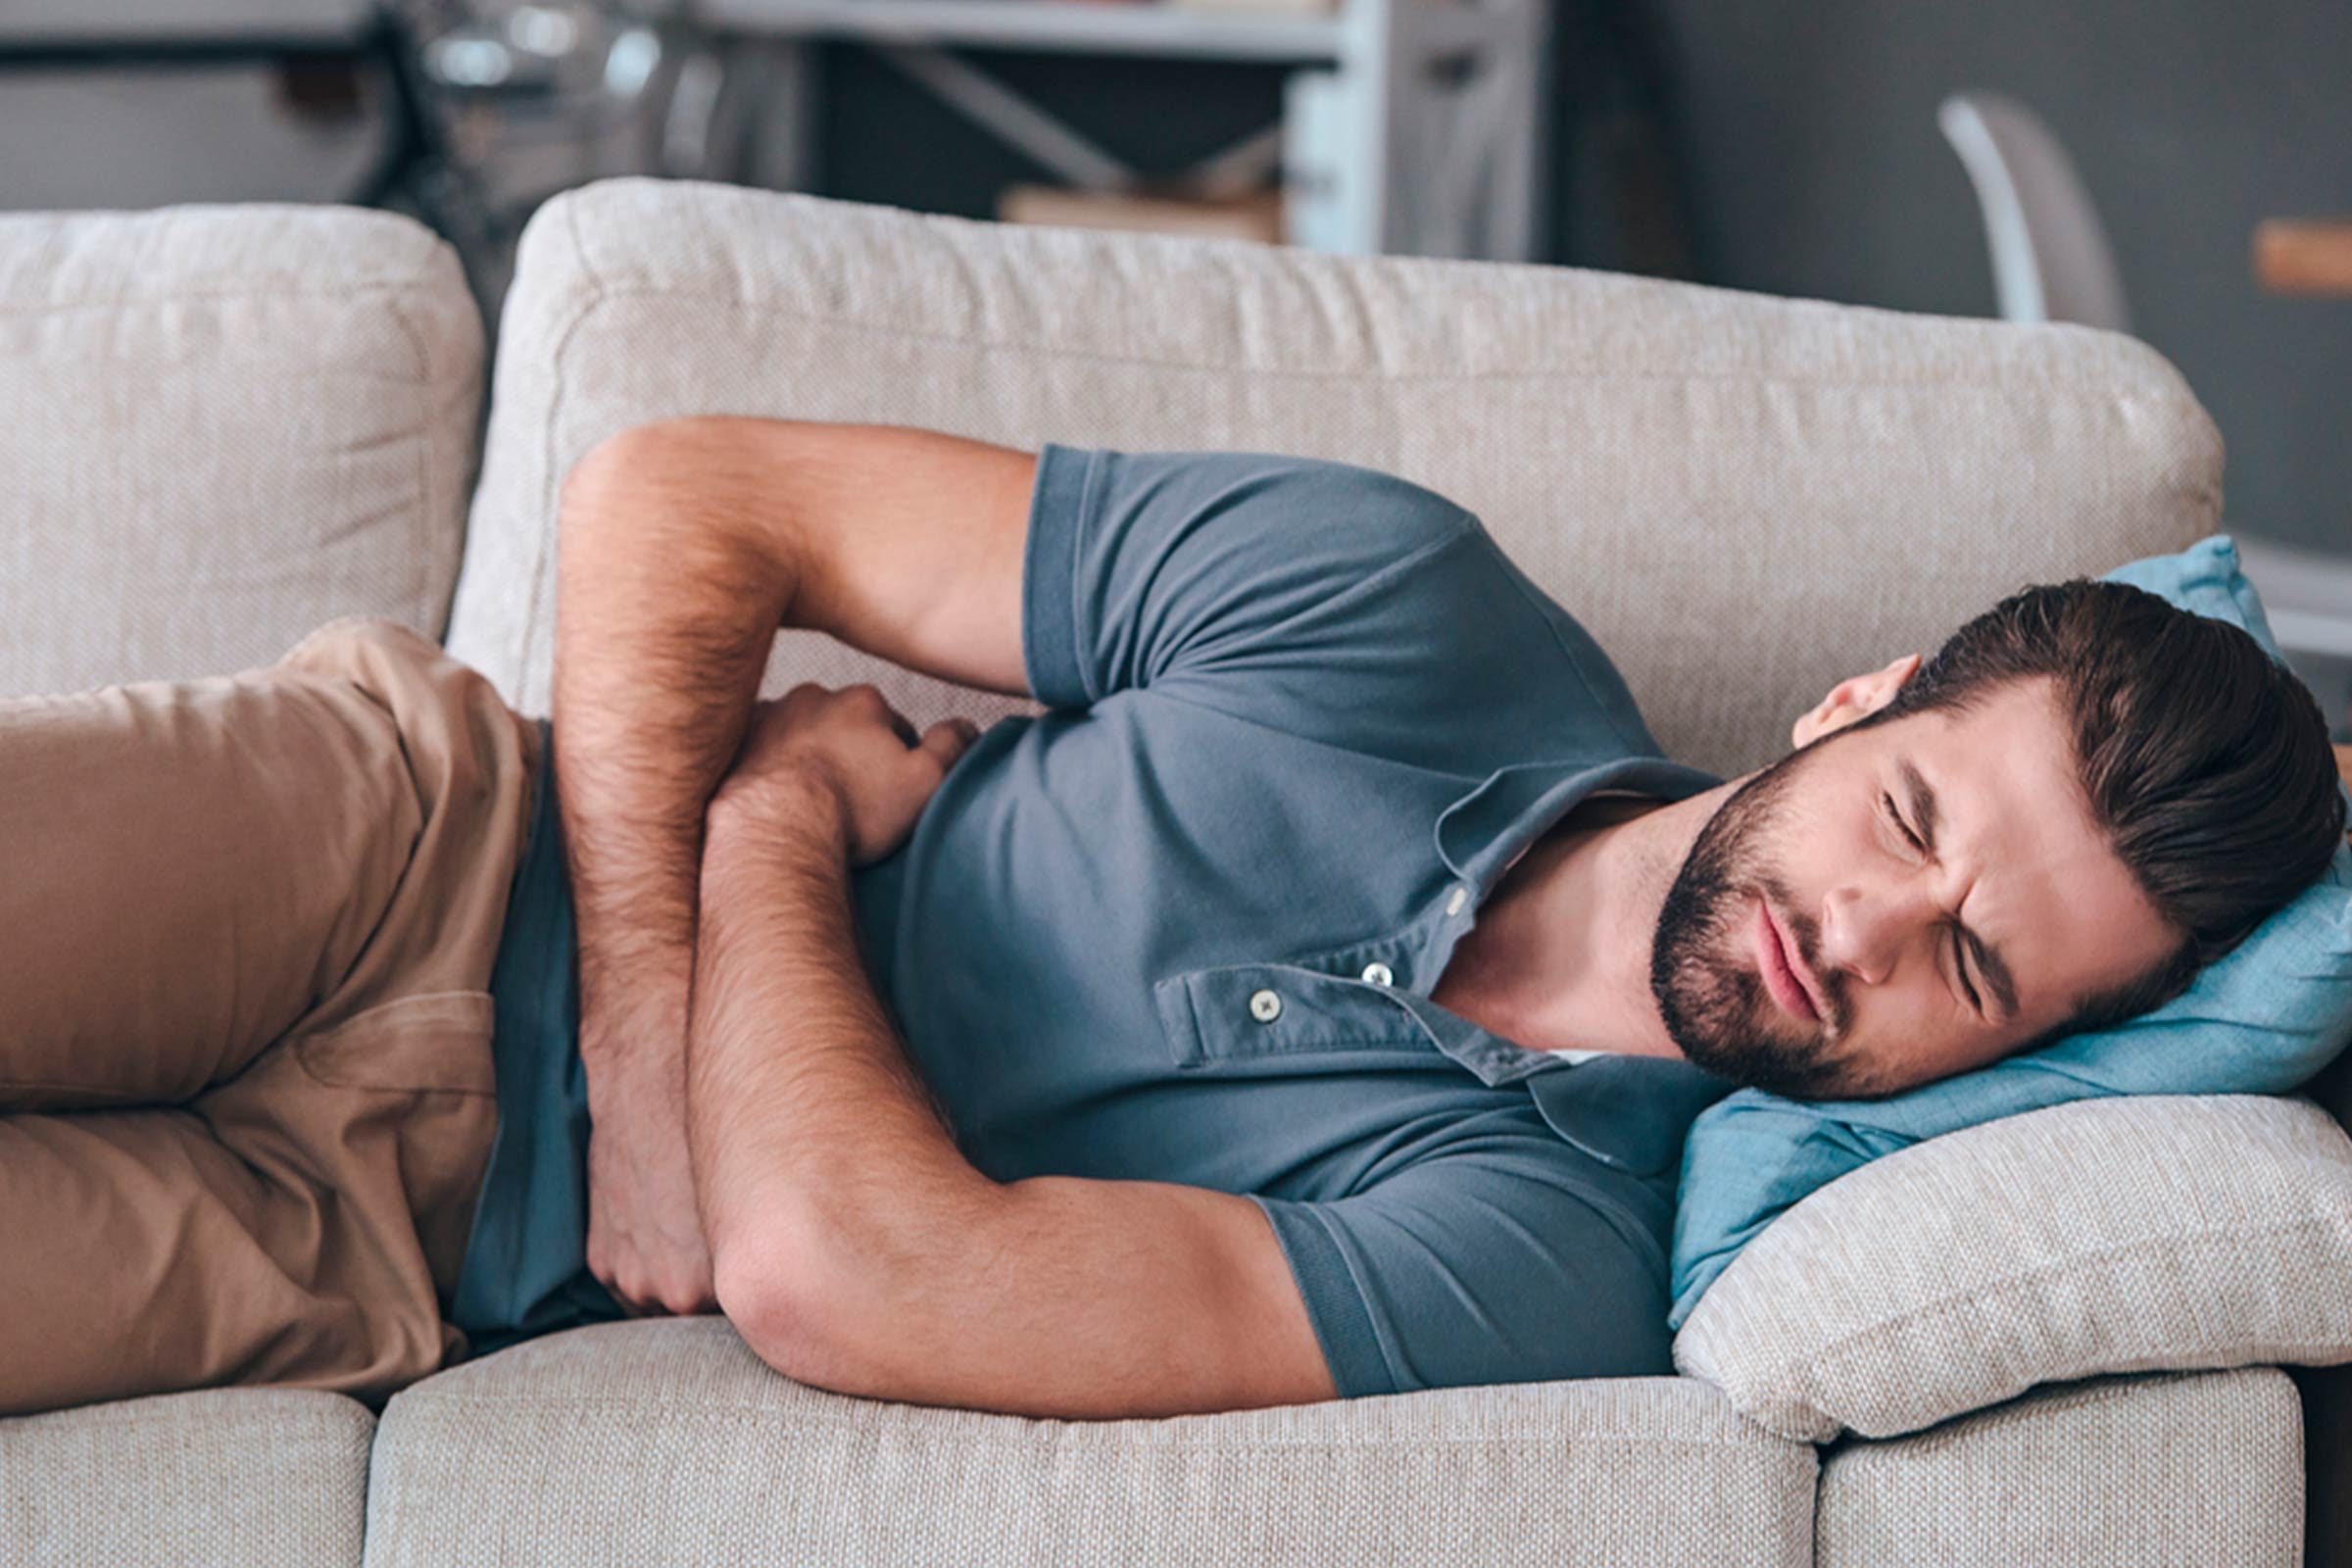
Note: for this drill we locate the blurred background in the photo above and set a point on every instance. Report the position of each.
(2177, 169)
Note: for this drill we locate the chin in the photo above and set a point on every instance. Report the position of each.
(1791, 1075)
(1703, 975)
(1723, 1019)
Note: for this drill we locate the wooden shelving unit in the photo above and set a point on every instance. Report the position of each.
(1407, 127)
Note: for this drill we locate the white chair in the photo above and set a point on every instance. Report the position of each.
(2050, 258)
(2051, 262)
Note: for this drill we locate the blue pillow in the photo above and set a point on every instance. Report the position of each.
(2263, 1018)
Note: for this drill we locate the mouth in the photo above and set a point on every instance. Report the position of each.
(1776, 960)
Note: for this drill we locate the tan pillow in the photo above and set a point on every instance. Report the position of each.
(2112, 1235)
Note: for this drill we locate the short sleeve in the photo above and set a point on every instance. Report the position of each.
(1148, 568)
(1500, 1262)
(1317, 597)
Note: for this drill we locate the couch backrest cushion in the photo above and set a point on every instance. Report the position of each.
(220, 427)
(1744, 498)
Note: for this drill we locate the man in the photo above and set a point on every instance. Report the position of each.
(1310, 1002)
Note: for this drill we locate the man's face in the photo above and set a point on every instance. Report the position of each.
(1812, 852)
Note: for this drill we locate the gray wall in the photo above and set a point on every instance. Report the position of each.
(1820, 172)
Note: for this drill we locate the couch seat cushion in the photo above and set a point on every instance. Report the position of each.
(665, 1439)
(247, 1476)
(2132, 1472)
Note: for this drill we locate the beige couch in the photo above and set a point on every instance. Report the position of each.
(2049, 1340)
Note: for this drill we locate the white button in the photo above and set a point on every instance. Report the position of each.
(1454, 905)
(1264, 1006)
(1378, 973)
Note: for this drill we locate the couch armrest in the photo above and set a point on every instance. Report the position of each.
(2099, 1236)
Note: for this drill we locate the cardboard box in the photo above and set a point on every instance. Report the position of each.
(1256, 216)
(1289, 8)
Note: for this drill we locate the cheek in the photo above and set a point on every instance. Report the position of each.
(1965, 1043)
(1824, 837)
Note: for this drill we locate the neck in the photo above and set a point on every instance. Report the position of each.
(1559, 959)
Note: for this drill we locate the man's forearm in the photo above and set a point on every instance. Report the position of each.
(666, 614)
(855, 1249)
(811, 1133)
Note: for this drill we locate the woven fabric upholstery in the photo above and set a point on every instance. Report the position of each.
(1745, 499)
(244, 1476)
(2102, 1236)
(2151, 1471)
(221, 426)
(666, 1439)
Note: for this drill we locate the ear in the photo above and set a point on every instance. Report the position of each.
(1852, 697)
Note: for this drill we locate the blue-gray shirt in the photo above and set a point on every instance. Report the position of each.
(1182, 926)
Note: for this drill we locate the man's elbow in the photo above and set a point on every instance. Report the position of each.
(794, 1300)
(629, 458)
(693, 484)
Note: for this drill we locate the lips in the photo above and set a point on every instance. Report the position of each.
(1774, 961)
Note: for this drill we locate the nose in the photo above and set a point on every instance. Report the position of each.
(1865, 930)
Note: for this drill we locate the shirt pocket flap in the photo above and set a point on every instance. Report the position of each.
(1254, 1011)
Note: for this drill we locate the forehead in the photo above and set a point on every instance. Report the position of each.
(2034, 875)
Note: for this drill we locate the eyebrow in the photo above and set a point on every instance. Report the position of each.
(1990, 964)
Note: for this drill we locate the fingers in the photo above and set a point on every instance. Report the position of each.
(948, 739)
(945, 740)
(675, 1300)
(643, 1288)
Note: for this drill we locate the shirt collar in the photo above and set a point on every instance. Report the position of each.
(1486, 826)
(1628, 1112)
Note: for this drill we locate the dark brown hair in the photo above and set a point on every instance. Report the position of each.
(2204, 760)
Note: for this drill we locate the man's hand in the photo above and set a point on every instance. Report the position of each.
(843, 763)
(645, 1235)
(848, 754)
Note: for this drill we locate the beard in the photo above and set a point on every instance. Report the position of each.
(1703, 964)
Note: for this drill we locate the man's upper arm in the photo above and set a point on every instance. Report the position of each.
(904, 543)
(1066, 1296)
(1306, 593)
(1495, 1261)
(1281, 588)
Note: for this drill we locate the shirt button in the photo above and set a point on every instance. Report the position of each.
(1264, 1006)
(1454, 905)
(1378, 973)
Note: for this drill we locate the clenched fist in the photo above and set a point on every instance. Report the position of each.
(848, 752)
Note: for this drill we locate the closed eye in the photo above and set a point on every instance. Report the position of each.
(1959, 963)
(1900, 826)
